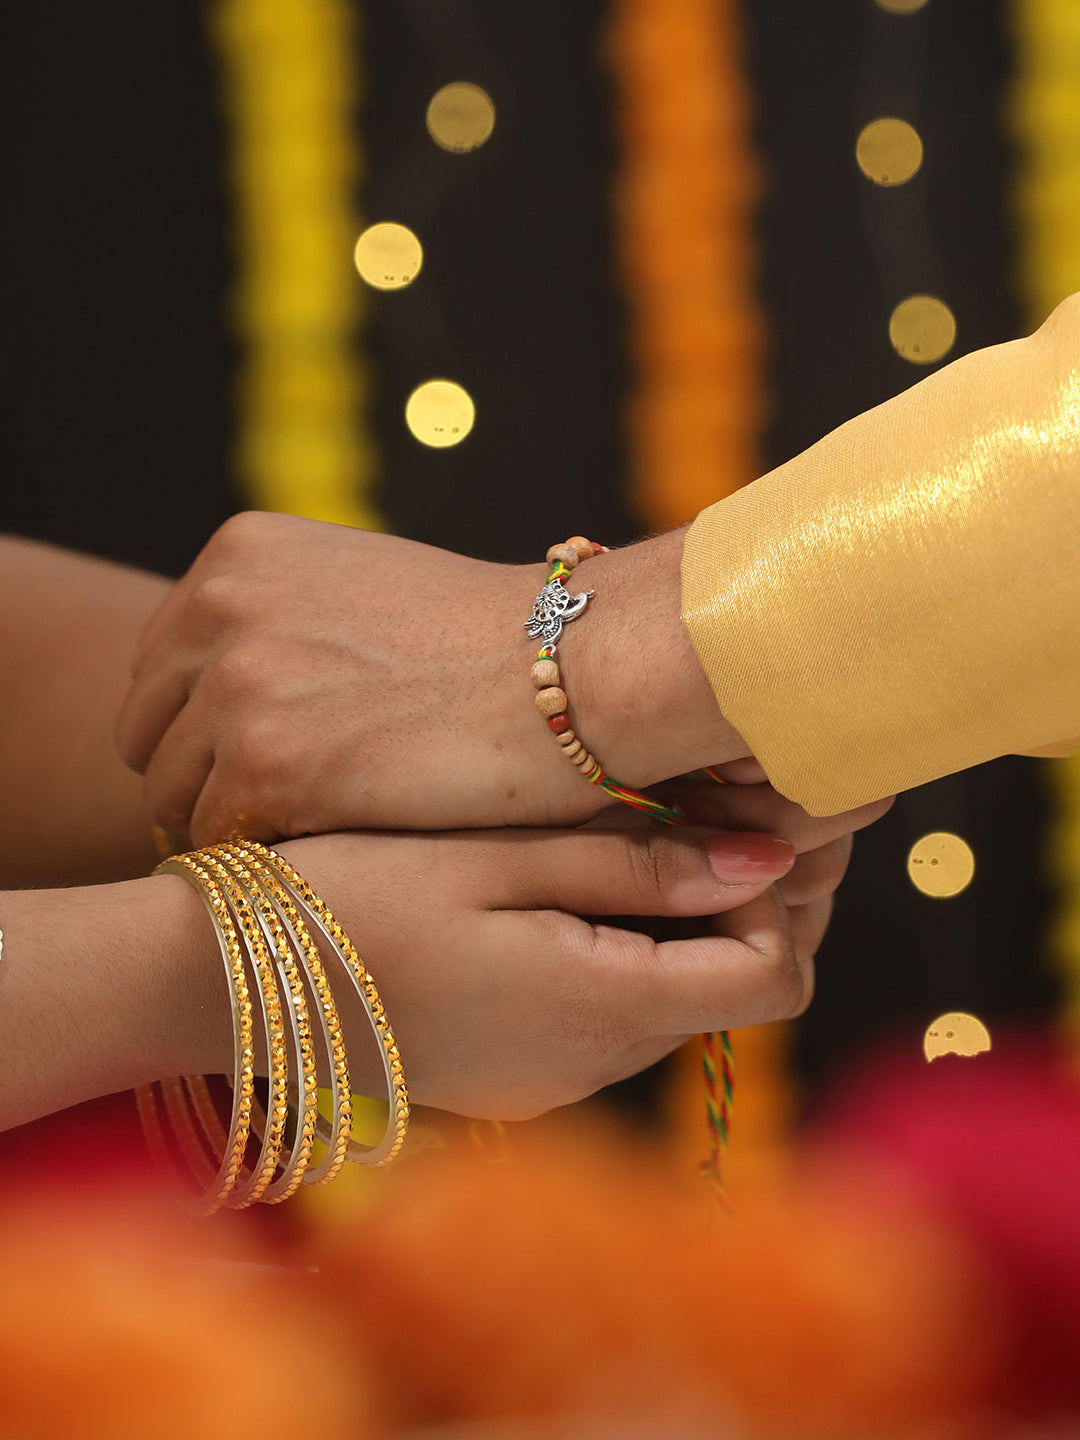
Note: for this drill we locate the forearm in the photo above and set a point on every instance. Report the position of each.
(105, 988)
(71, 811)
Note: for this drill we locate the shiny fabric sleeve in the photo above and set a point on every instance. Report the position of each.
(902, 600)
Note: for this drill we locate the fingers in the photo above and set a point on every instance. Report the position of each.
(749, 971)
(760, 807)
(808, 925)
(168, 655)
(816, 873)
(635, 872)
(157, 695)
(177, 772)
(744, 771)
(217, 816)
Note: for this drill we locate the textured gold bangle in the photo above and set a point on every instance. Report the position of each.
(397, 1091)
(202, 1106)
(264, 914)
(251, 1186)
(232, 1156)
(303, 1085)
(174, 1095)
(337, 1141)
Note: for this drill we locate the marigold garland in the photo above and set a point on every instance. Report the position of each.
(685, 195)
(684, 198)
(291, 91)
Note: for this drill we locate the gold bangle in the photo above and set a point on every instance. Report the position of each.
(303, 1084)
(263, 913)
(290, 919)
(397, 1092)
(251, 1185)
(232, 1156)
(174, 1095)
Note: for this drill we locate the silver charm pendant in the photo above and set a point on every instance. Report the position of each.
(554, 608)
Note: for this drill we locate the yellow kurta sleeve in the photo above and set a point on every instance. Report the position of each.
(902, 600)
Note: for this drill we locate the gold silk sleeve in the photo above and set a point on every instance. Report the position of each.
(903, 600)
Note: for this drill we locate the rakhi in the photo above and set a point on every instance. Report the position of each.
(553, 608)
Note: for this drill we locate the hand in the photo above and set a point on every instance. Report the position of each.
(306, 677)
(505, 1004)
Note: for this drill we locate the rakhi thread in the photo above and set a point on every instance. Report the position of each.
(555, 607)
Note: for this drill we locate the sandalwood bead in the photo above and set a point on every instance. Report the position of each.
(581, 547)
(544, 673)
(573, 748)
(566, 553)
(551, 701)
(584, 761)
(567, 737)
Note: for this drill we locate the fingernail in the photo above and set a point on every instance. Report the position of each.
(743, 859)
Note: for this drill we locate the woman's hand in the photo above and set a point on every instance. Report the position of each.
(504, 1003)
(305, 677)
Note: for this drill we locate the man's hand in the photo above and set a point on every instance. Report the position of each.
(306, 677)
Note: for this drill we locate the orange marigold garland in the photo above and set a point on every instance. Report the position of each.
(685, 193)
(684, 199)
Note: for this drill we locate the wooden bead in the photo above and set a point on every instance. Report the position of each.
(584, 761)
(573, 748)
(544, 673)
(566, 553)
(581, 547)
(567, 737)
(551, 701)
(557, 724)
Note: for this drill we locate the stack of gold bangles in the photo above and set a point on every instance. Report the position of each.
(274, 933)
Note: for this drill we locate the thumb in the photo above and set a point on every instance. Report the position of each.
(689, 871)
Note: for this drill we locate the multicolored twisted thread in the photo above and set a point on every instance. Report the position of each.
(719, 1081)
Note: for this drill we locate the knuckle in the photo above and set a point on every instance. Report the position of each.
(834, 863)
(609, 1013)
(238, 675)
(254, 757)
(802, 993)
(790, 991)
(168, 808)
(783, 978)
(650, 862)
(218, 601)
(241, 534)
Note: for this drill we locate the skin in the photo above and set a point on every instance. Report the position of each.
(293, 648)
(72, 812)
(504, 1002)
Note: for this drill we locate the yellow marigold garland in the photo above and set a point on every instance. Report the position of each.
(291, 91)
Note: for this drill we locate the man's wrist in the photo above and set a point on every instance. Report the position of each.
(644, 702)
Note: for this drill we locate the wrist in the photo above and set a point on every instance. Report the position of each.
(104, 988)
(642, 697)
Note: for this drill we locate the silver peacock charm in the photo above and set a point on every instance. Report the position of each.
(554, 608)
